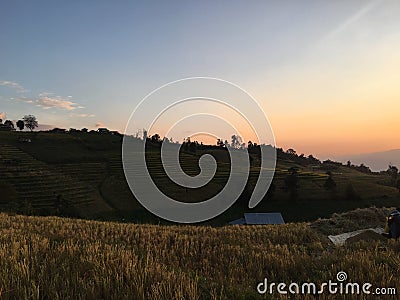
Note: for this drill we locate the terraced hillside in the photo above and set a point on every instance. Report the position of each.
(44, 189)
(85, 171)
(92, 173)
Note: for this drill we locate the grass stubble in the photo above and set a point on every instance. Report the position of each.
(59, 258)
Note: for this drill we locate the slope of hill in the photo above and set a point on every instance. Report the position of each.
(57, 258)
(40, 187)
(86, 171)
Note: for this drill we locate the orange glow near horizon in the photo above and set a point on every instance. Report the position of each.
(345, 129)
(338, 109)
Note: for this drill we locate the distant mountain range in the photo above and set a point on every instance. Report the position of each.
(377, 161)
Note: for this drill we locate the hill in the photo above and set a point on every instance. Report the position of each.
(80, 174)
(60, 258)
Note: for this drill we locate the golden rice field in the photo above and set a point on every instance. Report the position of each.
(56, 258)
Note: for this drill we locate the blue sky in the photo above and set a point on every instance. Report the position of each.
(91, 62)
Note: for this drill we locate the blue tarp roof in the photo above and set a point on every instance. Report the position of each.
(238, 222)
(259, 218)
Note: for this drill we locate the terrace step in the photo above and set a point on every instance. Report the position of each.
(39, 184)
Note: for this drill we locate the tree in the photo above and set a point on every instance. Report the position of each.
(313, 160)
(9, 123)
(291, 182)
(330, 184)
(185, 144)
(220, 143)
(393, 173)
(192, 146)
(30, 122)
(363, 168)
(236, 141)
(291, 152)
(20, 124)
(155, 138)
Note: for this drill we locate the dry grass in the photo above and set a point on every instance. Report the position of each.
(353, 220)
(55, 258)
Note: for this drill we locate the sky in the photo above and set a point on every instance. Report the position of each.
(326, 73)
